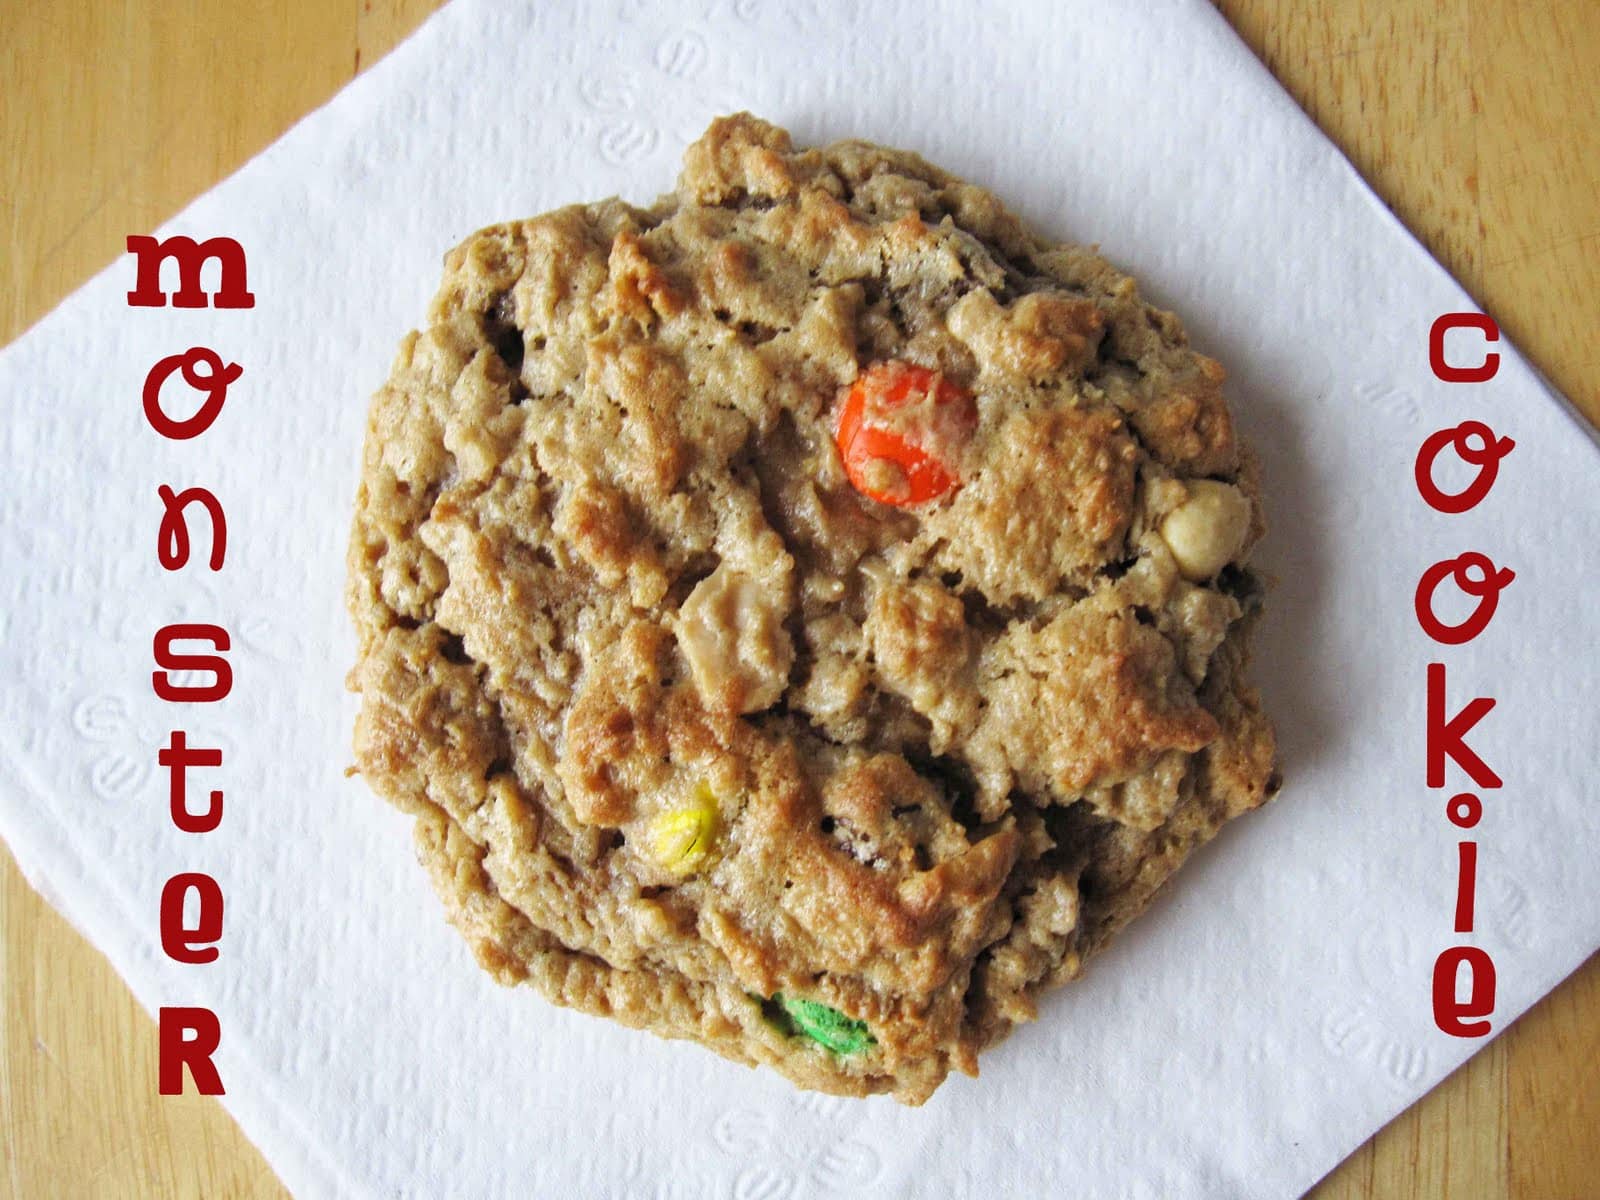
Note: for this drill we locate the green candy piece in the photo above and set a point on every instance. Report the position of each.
(826, 1026)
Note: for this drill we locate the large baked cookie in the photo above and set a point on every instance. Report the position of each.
(806, 616)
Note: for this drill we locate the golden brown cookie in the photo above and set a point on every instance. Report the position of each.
(806, 616)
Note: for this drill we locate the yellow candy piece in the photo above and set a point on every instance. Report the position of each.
(680, 838)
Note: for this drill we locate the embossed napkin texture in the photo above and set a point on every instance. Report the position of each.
(1266, 1016)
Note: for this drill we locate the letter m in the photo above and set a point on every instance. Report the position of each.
(232, 292)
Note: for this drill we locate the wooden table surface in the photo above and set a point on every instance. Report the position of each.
(1478, 121)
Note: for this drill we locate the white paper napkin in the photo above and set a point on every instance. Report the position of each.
(1262, 1020)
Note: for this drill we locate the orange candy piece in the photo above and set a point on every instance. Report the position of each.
(898, 457)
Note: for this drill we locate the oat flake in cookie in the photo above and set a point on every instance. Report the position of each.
(807, 616)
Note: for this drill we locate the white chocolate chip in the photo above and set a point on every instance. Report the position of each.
(1208, 530)
(731, 631)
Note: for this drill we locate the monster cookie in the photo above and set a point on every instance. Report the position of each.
(807, 615)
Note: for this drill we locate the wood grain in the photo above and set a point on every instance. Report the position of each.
(1474, 120)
